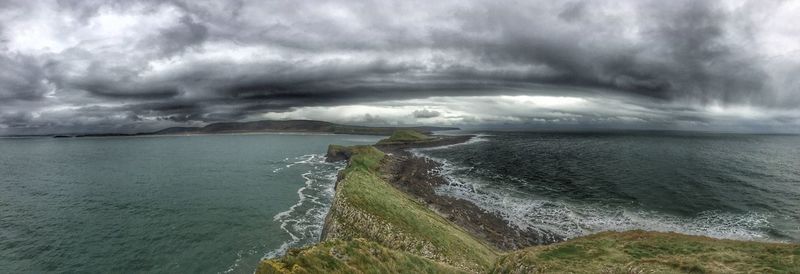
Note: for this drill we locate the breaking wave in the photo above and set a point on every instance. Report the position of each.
(563, 220)
(303, 221)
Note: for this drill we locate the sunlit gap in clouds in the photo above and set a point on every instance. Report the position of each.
(518, 110)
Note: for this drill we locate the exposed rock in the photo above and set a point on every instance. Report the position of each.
(417, 177)
(337, 153)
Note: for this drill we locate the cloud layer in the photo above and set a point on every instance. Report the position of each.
(81, 66)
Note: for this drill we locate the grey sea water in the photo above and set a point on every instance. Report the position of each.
(218, 204)
(571, 184)
(197, 204)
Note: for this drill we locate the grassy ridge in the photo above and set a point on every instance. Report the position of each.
(652, 252)
(405, 136)
(368, 207)
(356, 256)
(374, 228)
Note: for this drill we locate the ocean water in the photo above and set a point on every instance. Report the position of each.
(197, 204)
(571, 184)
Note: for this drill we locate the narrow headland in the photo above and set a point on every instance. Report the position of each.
(387, 218)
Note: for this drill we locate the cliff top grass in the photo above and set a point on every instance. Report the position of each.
(339, 152)
(653, 252)
(356, 256)
(405, 136)
(368, 207)
(364, 158)
(364, 190)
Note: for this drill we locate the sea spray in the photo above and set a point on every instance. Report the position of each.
(303, 221)
(563, 219)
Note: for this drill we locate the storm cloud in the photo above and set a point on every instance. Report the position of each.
(99, 66)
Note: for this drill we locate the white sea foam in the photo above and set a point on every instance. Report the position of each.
(477, 139)
(305, 159)
(239, 257)
(563, 220)
(303, 221)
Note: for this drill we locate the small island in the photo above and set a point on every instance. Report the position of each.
(385, 217)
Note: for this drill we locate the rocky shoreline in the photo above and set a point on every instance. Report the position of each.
(418, 177)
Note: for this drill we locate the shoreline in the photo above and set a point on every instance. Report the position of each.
(418, 177)
(386, 217)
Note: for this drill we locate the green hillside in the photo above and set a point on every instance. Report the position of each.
(405, 136)
(355, 256)
(653, 252)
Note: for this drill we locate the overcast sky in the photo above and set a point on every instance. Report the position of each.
(128, 66)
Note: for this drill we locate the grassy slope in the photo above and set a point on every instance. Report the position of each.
(375, 228)
(366, 207)
(354, 256)
(653, 252)
(405, 136)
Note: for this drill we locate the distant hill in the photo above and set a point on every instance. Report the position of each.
(280, 126)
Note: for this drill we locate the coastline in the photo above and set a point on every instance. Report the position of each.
(417, 176)
(386, 218)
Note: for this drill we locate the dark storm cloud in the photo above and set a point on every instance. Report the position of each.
(176, 39)
(683, 53)
(204, 61)
(701, 63)
(16, 119)
(124, 90)
(22, 78)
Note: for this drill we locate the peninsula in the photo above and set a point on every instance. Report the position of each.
(385, 217)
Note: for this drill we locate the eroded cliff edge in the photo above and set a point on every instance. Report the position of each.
(384, 220)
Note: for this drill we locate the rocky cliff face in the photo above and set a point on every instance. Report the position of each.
(337, 153)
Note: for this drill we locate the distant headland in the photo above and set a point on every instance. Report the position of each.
(304, 126)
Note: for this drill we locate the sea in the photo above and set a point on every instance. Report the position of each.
(166, 204)
(566, 185)
(220, 203)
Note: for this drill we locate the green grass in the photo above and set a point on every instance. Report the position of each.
(411, 227)
(405, 136)
(355, 256)
(367, 212)
(376, 228)
(364, 158)
(653, 252)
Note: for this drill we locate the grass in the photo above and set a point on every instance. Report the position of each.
(653, 252)
(375, 228)
(413, 227)
(364, 158)
(405, 136)
(355, 256)
(367, 207)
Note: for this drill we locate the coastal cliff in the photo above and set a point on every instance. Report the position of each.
(366, 206)
(385, 218)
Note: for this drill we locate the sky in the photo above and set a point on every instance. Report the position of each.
(131, 66)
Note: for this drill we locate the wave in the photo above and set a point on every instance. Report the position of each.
(303, 221)
(562, 220)
(304, 159)
(477, 139)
